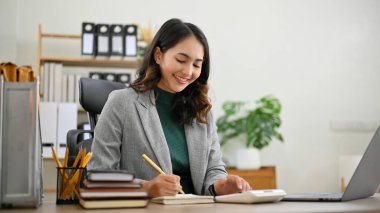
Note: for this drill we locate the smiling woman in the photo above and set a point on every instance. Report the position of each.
(179, 57)
(180, 65)
(166, 114)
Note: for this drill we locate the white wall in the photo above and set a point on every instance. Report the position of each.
(8, 30)
(320, 58)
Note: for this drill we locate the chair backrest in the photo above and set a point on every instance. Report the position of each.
(93, 94)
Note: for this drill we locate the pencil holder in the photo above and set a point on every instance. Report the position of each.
(69, 180)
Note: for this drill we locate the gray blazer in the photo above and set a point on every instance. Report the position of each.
(129, 126)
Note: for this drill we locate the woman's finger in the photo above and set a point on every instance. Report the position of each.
(246, 185)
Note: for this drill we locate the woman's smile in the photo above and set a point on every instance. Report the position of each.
(181, 80)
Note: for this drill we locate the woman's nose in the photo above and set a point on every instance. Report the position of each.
(188, 70)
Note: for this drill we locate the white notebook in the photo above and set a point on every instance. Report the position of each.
(252, 196)
(183, 199)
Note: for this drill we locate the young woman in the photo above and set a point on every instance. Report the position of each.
(165, 114)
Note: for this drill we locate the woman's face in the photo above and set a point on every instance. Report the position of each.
(180, 65)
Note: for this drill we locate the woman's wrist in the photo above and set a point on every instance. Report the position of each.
(145, 184)
(218, 187)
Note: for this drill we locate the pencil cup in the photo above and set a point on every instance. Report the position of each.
(68, 183)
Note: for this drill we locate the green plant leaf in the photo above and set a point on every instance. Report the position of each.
(258, 125)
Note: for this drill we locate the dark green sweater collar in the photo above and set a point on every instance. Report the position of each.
(164, 97)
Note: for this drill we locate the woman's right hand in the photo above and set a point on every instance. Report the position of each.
(162, 185)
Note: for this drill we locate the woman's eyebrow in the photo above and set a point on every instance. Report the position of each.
(187, 56)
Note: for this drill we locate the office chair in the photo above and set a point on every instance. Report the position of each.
(93, 94)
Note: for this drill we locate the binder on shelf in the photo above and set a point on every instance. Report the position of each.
(117, 39)
(124, 78)
(51, 80)
(58, 72)
(48, 119)
(67, 119)
(71, 88)
(96, 75)
(88, 38)
(42, 78)
(130, 40)
(64, 88)
(45, 81)
(102, 40)
(109, 76)
(76, 95)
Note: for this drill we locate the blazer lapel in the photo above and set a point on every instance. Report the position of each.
(196, 137)
(153, 130)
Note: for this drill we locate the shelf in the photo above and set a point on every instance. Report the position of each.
(54, 35)
(93, 62)
(85, 61)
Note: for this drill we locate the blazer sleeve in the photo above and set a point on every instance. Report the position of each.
(216, 167)
(108, 134)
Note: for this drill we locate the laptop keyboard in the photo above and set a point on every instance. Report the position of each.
(314, 196)
(325, 195)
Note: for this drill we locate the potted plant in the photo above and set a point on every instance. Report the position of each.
(258, 125)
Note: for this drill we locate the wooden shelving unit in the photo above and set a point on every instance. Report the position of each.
(263, 178)
(80, 61)
(92, 62)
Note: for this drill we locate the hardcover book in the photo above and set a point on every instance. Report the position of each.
(109, 175)
(107, 204)
(97, 193)
(111, 184)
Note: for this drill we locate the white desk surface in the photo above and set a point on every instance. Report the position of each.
(371, 204)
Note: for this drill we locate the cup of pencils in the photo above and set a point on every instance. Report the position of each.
(68, 182)
(70, 178)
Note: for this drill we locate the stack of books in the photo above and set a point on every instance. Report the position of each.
(111, 189)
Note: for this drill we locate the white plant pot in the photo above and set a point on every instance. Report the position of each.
(248, 158)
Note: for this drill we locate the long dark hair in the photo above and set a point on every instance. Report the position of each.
(192, 102)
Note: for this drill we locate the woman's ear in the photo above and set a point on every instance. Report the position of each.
(157, 55)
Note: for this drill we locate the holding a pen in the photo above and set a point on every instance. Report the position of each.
(167, 179)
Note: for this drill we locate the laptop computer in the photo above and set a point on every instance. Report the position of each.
(364, 181)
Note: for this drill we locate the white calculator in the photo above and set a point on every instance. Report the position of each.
(252, 196)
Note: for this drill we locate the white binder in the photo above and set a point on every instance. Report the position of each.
(130, 40)
(88, 37)
(49, 119)
(67, 119)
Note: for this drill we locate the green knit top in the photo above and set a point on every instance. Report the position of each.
(175, 138)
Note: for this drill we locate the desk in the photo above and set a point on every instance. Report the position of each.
(371, 204)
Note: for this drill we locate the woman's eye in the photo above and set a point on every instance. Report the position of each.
(181, 61)
(196, 65)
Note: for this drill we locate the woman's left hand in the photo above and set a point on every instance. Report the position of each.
(231, 184)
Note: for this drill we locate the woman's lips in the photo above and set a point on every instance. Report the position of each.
(181, 79)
